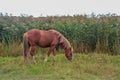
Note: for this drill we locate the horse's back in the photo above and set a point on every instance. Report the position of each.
(49, 37)
(42, 38)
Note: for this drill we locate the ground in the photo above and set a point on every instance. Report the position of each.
(83, 67)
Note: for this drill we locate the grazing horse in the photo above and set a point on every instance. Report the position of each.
(44, 38)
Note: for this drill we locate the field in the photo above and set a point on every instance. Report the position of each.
(94, 38)
(83, 67)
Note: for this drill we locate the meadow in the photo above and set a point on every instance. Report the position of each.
(95, 40)
(83, 67)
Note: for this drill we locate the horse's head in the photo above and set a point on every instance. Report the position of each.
(65, 44)
(69, 53)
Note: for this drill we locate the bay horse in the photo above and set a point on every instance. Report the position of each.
(45, 38)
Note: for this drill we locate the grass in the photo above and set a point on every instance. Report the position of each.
(83, 67)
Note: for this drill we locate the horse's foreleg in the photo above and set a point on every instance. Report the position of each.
(48, 54)
(46, 58)
(54, 56)
(32, 51)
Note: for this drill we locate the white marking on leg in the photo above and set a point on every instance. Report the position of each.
(34, 61)
(54, 58)
(46, 58)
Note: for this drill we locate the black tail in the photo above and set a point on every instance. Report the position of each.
(25, 43)
(26, 46)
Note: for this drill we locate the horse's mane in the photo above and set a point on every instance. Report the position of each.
(63, 41)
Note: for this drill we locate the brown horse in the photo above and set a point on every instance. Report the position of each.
(42, 38)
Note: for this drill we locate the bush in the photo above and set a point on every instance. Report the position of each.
(86, 33)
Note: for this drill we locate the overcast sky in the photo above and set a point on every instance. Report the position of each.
(59, 7)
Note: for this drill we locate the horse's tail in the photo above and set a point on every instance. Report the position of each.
(26, 45)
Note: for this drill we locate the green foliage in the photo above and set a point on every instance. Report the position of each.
(86, 33)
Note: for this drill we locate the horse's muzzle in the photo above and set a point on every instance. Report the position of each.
(70, 59)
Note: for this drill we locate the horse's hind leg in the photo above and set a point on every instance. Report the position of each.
(32, 51)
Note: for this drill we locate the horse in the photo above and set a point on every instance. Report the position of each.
(44, 39)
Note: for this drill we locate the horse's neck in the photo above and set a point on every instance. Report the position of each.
(66, 44)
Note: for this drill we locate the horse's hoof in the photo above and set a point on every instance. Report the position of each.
(54, 60)
(45, 60)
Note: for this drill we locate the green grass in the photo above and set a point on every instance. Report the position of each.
(83, 67)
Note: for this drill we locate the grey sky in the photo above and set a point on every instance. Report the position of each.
(59, 7)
